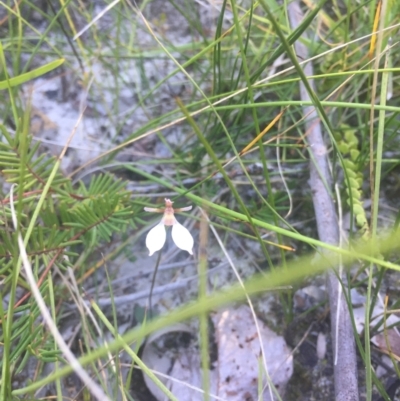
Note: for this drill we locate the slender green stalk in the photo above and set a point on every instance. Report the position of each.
(375, 185)
(54, 316)
(23, 148)
(203, 317)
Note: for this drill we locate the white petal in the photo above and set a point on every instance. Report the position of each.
(155, 239)
(182, 237)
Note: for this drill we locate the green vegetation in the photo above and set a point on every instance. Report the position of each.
(200, 101)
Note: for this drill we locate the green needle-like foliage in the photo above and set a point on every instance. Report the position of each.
(71, 216)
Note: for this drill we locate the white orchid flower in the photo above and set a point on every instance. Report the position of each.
(157, 236)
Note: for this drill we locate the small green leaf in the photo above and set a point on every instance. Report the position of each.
(28, 76)
(358, 210)
(354, 153)
(349, 165)
(361, 220)
(353, 183)
(343, 148)
(351, 174)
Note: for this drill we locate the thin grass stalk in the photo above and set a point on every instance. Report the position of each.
(54, 317)
(17, 261)
(375, 171)
(204, 329)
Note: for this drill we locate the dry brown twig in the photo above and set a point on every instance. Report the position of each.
(345, 368)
